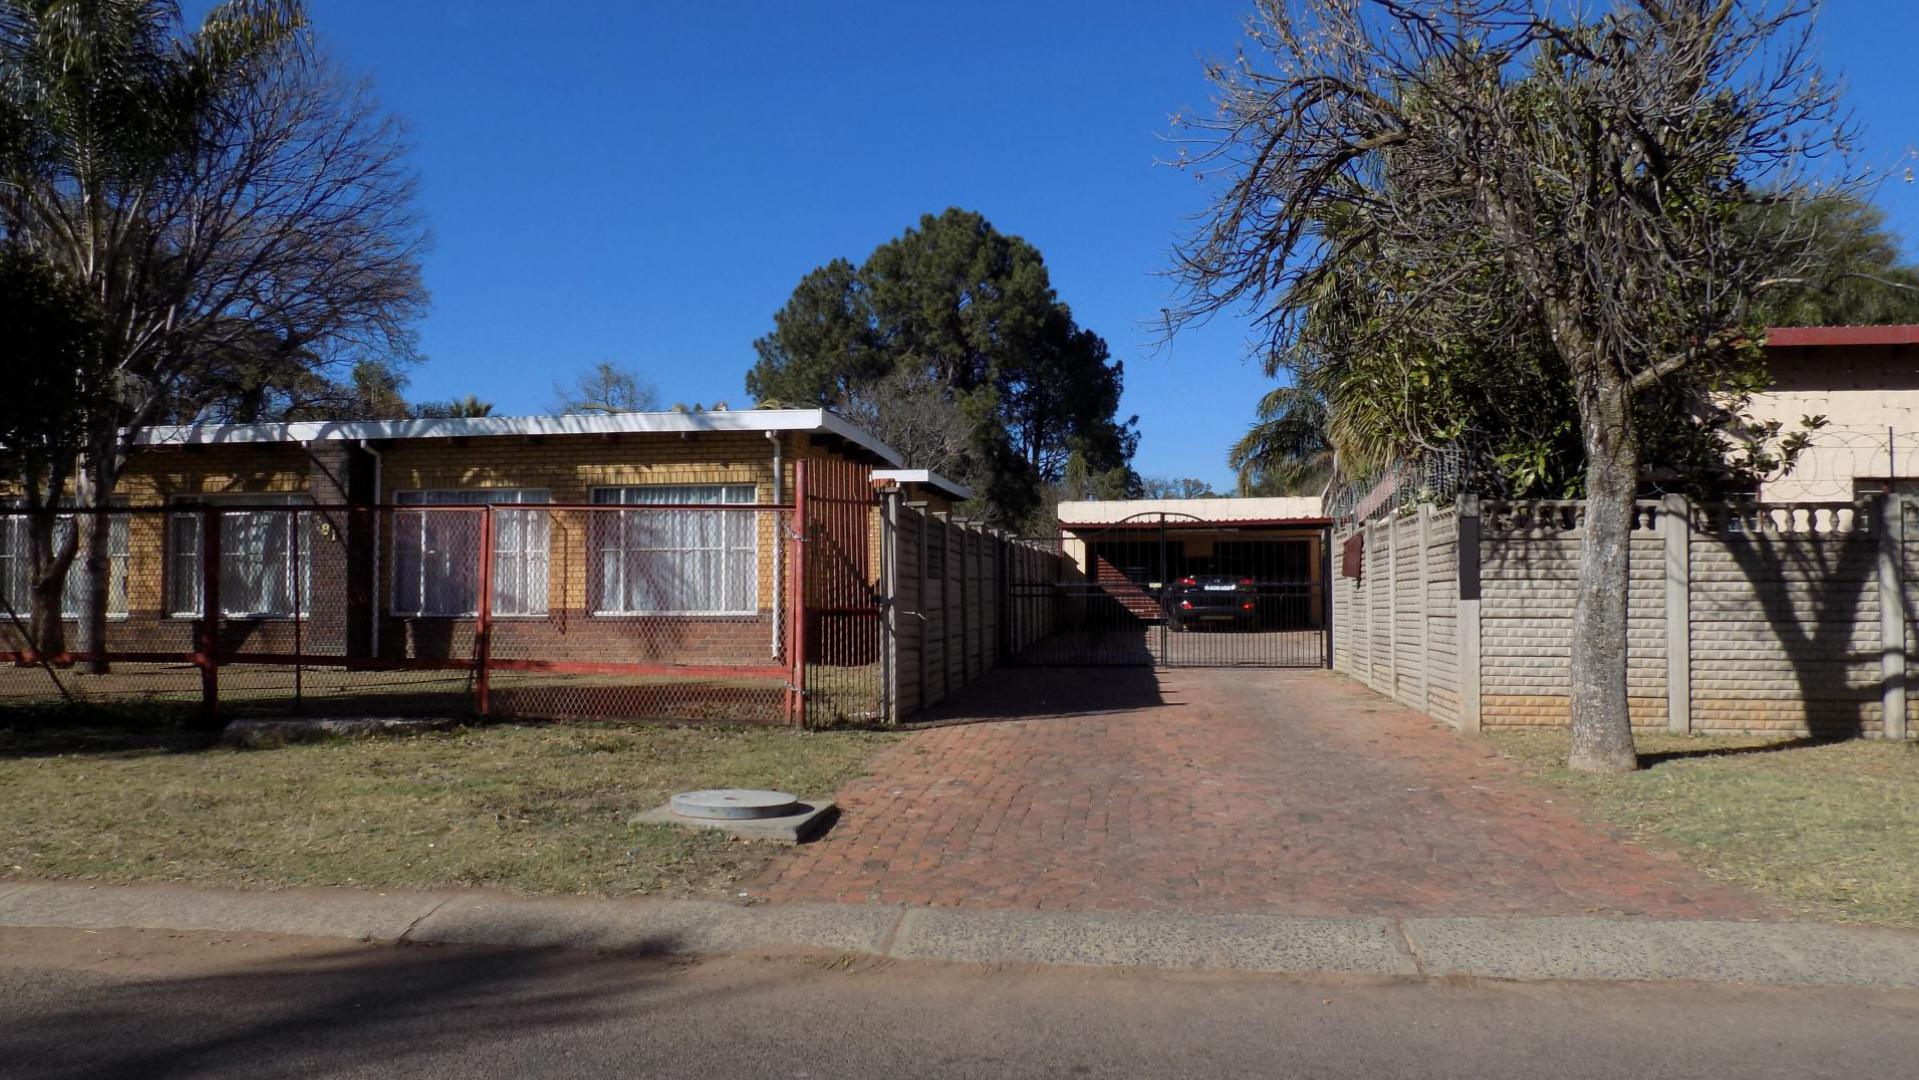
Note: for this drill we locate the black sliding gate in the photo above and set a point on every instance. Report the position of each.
(1166, 591)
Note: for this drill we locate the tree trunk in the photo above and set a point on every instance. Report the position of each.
(1601, 722)
(48, 564)
(97, 479)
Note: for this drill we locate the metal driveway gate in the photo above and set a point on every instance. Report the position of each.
(1137, 594)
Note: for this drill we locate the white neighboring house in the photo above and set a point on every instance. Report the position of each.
(1865, 381)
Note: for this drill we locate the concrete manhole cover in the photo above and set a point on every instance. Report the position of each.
(734, 804)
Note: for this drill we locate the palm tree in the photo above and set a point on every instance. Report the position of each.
(460, 408)
(1287, 450)
(214, 191)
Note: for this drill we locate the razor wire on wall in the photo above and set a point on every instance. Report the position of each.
(1434, 477)
(1836, 465)
(1844, 464)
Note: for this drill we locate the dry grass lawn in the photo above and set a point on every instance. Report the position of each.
(1828, 829)
(539, 808)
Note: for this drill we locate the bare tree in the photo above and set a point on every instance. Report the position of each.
(221, 195)
(605, 388)
(913, 414)
(1169, 487)
(1486, 169)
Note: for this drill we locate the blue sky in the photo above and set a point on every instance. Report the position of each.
(645, 182)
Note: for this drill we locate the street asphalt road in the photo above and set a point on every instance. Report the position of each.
(151, 1003)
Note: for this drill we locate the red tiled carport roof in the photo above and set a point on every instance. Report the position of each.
(1800, 337)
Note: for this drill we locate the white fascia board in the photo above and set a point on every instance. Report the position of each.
(648, 423)
(836, 424)
(926, 477)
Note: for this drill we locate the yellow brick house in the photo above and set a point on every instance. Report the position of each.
(659, 547)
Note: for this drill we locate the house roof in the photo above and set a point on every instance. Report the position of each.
(927, 478)
(1297, 510)
(816, 420)
(1790, 337)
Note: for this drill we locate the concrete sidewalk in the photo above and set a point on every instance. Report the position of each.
(1780, 953)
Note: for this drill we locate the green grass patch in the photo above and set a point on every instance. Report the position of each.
(539, 808)
(1828, 829)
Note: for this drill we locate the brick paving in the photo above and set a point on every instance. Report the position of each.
(1221, 791)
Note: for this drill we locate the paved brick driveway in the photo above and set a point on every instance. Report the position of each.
(1217, 791)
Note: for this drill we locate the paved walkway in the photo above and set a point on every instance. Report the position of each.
(1220, 791)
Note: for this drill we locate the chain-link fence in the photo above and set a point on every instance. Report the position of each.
(730, 611)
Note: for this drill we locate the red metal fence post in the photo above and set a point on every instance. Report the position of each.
(209, 643)
(483, 623)
(294, 588)
(796, 608)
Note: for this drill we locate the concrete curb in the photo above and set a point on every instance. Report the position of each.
(1794, 954)
(1523, 949)
(367, 916)
(1284, 944)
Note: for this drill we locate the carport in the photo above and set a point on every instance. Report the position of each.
(1137, 583)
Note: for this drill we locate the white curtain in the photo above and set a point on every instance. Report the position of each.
(703, 562)
(436, 553)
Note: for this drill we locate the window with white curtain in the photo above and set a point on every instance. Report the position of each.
(266, 557)
(436, 554)
(675, 562)
(16, 565)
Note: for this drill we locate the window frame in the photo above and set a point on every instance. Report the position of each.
(598, 586)
(14, 559)
(476, 498)
(188, 507)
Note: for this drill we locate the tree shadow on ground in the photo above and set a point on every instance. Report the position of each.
(350, 1010)
(83, 729)
(1660, 757)
(1129, 642)
(1041, 693)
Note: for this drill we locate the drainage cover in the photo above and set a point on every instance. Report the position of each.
(735, 803)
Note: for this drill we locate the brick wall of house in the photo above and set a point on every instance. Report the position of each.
(567, 467)
(952, 581)
(1863, 392)
(1739, 619)
(160, 476)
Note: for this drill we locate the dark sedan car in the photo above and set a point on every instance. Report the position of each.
(1219, 597)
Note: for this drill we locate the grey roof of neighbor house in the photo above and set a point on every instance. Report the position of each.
(1190, 513)
(822, 421)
